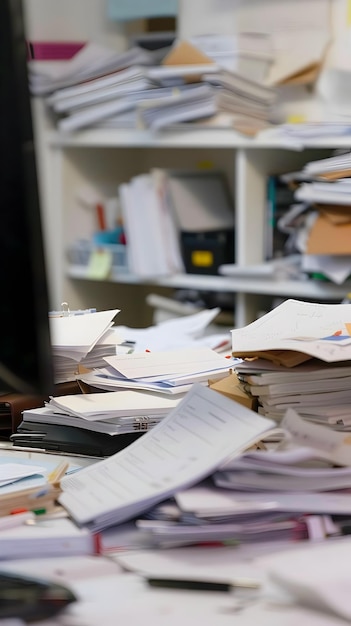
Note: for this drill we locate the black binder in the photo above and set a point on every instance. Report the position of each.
(70, 440)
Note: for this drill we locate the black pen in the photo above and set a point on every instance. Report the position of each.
(203, 585)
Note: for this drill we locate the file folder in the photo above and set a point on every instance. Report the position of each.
(71, 440)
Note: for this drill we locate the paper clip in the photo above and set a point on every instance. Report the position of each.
(65, 309)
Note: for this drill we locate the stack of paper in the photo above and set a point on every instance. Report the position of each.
(322, 231)
(112, 413)
(49, 538)
(182, 106)
(320, 392)
(170, 371)
(302, 359)
(298, 491)
(121, 110)
(91, 62)
(196, 437)
(150, 229)
(247, 99)
(331, 168)
(81, 339)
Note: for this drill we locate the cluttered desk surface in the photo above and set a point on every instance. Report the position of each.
(219, 512)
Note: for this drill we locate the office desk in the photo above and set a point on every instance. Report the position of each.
(7, 449)
(110, 595)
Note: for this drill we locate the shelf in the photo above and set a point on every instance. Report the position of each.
(187, 138)
(101, 159)
(287, 288)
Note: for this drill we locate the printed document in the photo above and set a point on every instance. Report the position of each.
(205, 429)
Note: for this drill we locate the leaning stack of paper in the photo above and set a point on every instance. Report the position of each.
(112, 413)
(80, 339)
(299, 355)
(296, 492)
(196, 437)
(170, 371)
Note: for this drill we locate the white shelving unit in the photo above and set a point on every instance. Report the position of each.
(105, 158)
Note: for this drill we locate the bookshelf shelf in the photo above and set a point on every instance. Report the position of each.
(274, 287)
(104, 158)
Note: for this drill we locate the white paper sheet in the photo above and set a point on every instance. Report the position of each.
(198, 435)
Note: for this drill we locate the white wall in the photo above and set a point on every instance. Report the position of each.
(86, 19)
(65, 20)
(230, 16)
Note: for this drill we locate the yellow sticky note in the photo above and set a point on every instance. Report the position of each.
(348, 13)
(296, 119)
(100, 264)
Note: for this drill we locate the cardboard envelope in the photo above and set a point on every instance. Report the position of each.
(330, 234)
(184, 53)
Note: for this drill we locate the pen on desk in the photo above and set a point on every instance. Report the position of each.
(203, 585)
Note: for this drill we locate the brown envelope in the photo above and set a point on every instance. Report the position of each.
(327, 237)
(184, 53)
(231, 387)
(336, 214)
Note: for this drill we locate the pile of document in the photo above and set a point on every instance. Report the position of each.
(250, 101)
(196, 478)
(196, 437)
(92, 61)
(100, 87)
(81, 340)
(164, 208)
(323, 201)
(299, 355)
(111, 413)
(167, 372)
(31, 522)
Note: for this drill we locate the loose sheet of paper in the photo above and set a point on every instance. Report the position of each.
(190, 443)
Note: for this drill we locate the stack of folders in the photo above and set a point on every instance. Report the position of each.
(112, 413)
(97, 424)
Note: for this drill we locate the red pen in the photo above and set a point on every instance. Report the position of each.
(100, 213)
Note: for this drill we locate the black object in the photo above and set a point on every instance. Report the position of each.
(25, 347)
(204, 252)
(202, 585)
(70, 439)
(31, 599)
